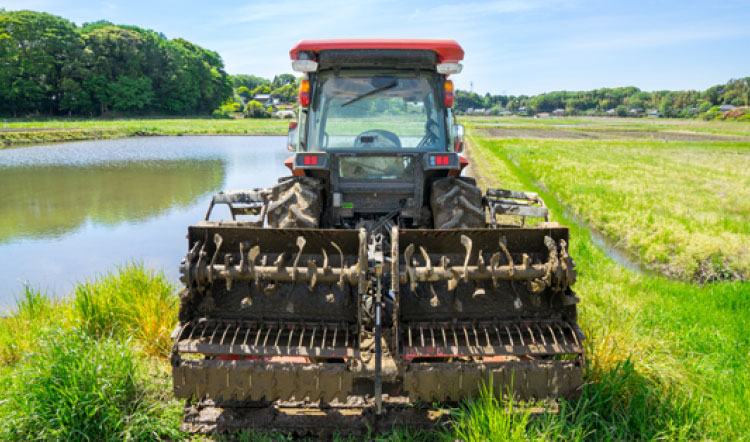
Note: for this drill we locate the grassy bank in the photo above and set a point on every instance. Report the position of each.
(676, 352)
(682, 207)
(14, 132)
(92, 366)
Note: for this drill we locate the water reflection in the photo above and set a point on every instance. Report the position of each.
(69, 212)
(49, 201)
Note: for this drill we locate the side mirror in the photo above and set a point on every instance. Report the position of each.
(458, 130)
(291, 138)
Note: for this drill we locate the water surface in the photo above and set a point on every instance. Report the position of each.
(69, 212)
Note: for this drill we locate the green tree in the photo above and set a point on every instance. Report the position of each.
(249, 81)
(286, 93)
(262, 89)
(282, 80)
(131, 94)
(255, 109)
(244, 92)
(35, 49)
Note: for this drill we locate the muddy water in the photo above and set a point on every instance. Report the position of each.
(69, 212)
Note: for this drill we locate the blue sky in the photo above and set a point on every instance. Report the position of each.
(512, 46)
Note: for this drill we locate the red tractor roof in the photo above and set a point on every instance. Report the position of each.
(448, 50)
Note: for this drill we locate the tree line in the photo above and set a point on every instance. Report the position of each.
(50, 66)
(621, 101)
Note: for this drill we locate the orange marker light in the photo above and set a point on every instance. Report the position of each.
(304, 93)
(448, 93)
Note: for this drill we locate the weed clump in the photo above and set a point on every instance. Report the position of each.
(76, 387)
(82, 368)
(131, 302)
(35, 311)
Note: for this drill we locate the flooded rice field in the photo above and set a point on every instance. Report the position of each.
(70, 212)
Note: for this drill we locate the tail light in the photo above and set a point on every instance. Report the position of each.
(448, 93)
(311, 161)
(440, 160)
(304, 93)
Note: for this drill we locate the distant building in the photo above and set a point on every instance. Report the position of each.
(542, 115)
(636, 111)
(726, 107)
(558, 112)
(522, 110)
(264, 99)
(654, 113)
(611, 112)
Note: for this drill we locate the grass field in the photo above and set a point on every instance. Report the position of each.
(600, 125)
(682, 207)
(666, 358)
(34, 131)
(687, 344)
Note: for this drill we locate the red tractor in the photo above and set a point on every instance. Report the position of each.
(375, 276)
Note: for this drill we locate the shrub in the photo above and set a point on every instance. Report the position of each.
(712, 113)
(255, 109)
(230, 107)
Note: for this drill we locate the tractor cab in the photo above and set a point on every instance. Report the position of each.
(376, 125)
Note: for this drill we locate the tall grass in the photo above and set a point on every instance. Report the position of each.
(620, 405)
(487, 418)
(131, 302)
(670, 357)
(75, 387)
(35, 312)
(86, 367)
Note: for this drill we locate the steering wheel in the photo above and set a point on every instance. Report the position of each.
(429, 135)
(391, 139)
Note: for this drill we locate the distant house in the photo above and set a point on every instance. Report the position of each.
(542, 115)
(264, 99)
(504, 112)
(558, 112)
(726, 107)
(611, 112)
(522, 110)
(636, 111)
(654, 113)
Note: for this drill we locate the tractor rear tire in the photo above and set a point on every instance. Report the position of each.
(456, 203)
(295, 203)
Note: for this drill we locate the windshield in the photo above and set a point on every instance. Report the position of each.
(366, 110)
